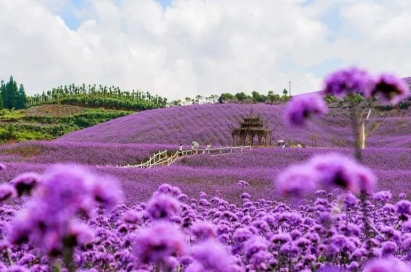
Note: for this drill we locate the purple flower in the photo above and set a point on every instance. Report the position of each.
(348, 81)
(49, 220)
(387, 265)
(302, 107)
(25, 183)
(159, 241)
(162, 206)
(297, 180)
(203, 230)
(7, 192)
(403, 209)
(211, 256)
(339, 171)
(242, 183)
(2, 166)
(391, 89)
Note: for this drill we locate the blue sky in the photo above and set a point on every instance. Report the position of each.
(73, 23)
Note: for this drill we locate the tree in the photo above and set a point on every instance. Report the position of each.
(241, 96)
(22, 99)
(225, 97)
(285, 92)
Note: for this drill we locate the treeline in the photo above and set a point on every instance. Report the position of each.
(93, 96)
(240, 97)
(12, 95)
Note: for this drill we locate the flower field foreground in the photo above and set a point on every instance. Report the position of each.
(173, 232)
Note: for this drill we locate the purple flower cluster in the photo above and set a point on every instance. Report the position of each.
(210, 234)
(59, 197)
(330, 170)
(302, 107)
(349, 81)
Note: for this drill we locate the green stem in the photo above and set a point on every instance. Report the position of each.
(68, 259)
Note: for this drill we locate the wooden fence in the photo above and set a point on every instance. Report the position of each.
(162, 159)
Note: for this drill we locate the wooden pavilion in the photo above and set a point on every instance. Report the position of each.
(251, 127)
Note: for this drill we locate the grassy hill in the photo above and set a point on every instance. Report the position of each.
(49, 122)
(210, 124)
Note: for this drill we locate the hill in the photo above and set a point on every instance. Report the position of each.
(210, 124)
(47, 122)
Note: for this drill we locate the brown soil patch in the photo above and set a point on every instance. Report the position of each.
(54, 110)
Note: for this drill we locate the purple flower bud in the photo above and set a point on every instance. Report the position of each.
(7, 191)
(162, 206)
(348, 81)
(386, 265)
(25, 183)
(157, 242)
(212, 256)
(303, 107)
(391, 89)
(203, 230)
(297, 180)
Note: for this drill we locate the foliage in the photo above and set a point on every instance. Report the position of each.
(12, 96)
(17, 126)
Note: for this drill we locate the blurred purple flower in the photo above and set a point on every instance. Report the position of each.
(7, 191)
(348, 81)
(203, 230)
(25, 183)
(297, 180)
(303, 107)
(391, 89)
(2, 166)
(339, 171)
(157, 242)
(387, 265)
(211, 256)
(49, 220)
(163, 206)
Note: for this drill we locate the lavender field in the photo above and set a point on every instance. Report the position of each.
(210, 124)
(325, 208)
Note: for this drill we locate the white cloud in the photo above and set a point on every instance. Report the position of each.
(197, 46)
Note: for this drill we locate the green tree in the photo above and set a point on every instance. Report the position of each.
(285, 92)
(22, 99)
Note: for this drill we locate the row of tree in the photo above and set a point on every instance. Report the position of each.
(240, 97)
(92, 96)
(98, 96)
(12, 95)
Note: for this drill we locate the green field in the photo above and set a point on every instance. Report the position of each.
(49, 122)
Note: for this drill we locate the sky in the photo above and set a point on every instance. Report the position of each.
(181, 48)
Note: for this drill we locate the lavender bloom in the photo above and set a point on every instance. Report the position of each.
(348, 81)
(157, 242)
(211, 256)
(242, 183)
(7, 192)
(203, 230)
(297, 180)
(391, 89)
(25, 183)
(2, 166)
(340, 171)
(65, 192)
(387, 265)
(302, 107)
(403, 209)
(162, 206)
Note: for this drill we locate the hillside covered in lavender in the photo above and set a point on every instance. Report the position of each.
(210, 124)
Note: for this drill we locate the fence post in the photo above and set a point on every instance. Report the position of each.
(221, 150)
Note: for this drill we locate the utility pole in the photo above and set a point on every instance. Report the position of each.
(289, 82)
